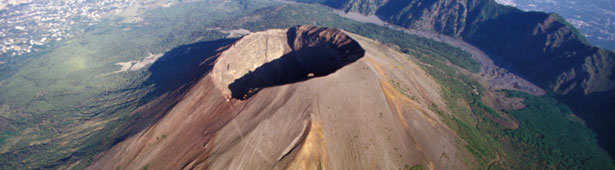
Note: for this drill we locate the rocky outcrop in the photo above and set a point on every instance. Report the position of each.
(445, 16)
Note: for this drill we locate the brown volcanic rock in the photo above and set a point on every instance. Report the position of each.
(348, 116)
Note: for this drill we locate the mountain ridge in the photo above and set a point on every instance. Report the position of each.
(543, 47)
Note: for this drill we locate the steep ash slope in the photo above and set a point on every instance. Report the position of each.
(543, 47)
(366, 108)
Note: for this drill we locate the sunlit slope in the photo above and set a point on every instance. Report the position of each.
(372, 113)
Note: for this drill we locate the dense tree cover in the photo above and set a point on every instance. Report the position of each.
(551, 136)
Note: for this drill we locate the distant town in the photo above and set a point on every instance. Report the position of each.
(29, 25)
(594, 18)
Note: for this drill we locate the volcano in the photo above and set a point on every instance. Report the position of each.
(300, 98)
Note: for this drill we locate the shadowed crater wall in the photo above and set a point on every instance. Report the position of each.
(278, 57)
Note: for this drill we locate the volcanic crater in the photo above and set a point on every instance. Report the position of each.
(283, 56)
(369, 108)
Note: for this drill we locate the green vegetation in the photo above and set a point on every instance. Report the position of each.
(64, 105)
(466, 121)
(415, 167)
(562, 143)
